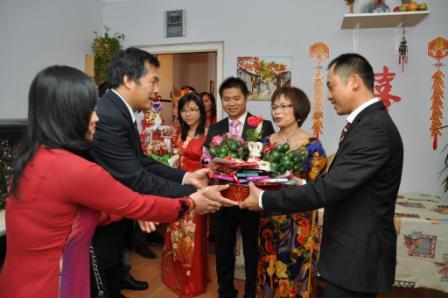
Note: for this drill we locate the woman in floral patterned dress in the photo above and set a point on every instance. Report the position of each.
(184, 258)
(288, 244)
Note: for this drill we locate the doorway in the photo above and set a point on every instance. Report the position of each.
(198, 65)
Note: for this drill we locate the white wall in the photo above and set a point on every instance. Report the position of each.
(288, 28)
(36, 34)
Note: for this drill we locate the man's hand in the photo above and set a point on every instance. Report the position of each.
(203, 204)
(147, 226)
(251, 202)
(214, 193)
(197, 179)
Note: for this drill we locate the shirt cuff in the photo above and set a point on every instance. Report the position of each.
(260, 199)
(183, 178)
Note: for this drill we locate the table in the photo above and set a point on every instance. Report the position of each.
(421, 222)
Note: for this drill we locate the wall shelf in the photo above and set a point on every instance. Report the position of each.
(383, 20)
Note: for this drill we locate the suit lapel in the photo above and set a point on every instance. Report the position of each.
(246, 126)
(124, 111)
(378, 106)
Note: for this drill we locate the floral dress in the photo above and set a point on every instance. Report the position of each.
(184, 257)
(288, 244)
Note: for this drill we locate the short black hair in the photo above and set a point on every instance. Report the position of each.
(234, 82)
(299, 100)
(348, 64)
(194, 97)
(130, 62)
(61, 101)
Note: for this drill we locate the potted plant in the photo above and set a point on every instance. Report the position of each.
(104, 47)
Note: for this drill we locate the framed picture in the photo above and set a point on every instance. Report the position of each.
(264, 74)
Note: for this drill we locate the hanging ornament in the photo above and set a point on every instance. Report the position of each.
(403, 51)
(319, 51)
(437, 49)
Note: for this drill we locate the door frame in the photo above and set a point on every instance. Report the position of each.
(183, 48)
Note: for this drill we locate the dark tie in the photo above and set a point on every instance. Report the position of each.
(345, 131)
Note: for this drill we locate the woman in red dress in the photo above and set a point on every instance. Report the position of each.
(57, 194)
(184, 258)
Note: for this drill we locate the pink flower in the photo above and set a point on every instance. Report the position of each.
(254, 120)
(217, 140)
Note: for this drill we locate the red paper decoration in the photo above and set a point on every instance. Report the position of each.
(437, 49)
(319, 51)
(383, 86)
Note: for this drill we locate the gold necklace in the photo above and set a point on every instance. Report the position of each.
(286, 140)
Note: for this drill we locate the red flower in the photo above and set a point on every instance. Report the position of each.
(253, 121)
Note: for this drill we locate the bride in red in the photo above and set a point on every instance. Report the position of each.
(184, 257)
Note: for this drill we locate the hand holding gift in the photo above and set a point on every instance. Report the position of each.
(209, 199)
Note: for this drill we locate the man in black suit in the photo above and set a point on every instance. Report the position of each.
(133, 81)
(233, 92)
(358, 249)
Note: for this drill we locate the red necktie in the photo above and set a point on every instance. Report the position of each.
(345, 131)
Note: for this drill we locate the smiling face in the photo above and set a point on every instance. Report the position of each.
(190, 113)
(145, 89)
(283, 112)
(339, 94)
(233, 102)
(92, 125)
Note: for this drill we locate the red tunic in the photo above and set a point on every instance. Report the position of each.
(184, 259)
(50, 225)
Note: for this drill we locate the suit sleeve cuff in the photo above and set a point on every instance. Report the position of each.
(260, 199)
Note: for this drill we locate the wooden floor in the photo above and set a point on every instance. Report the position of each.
(149, 270)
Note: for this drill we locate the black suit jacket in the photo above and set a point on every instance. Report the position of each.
(222, 127)
(116, 147)
(358, 249)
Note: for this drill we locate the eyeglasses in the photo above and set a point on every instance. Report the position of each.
(281, 107)
(192, 110)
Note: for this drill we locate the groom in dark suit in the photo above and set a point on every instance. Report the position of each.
(133, 81)
(358, 249)
(233, 92)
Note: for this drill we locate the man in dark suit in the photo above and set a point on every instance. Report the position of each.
(358, 249)
(133, 81)
(233, 92)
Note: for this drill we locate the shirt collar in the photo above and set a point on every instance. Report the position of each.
(359, 109)
(242, 119)
(127, 105)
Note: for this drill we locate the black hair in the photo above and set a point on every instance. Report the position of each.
(191, 97)
(213, 101)
(299, 100)
(233, 82)
(348, 64)
(61, 101)
(130, 62)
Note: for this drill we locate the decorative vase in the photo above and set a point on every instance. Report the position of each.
(254, 151)
(379, 7)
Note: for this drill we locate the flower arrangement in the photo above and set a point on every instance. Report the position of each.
(104, 47)
(254, 132)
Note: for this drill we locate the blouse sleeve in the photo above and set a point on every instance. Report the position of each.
(88, 184)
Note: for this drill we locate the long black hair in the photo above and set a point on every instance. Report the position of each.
(213, 108)
(61, 101)
(191, 97)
